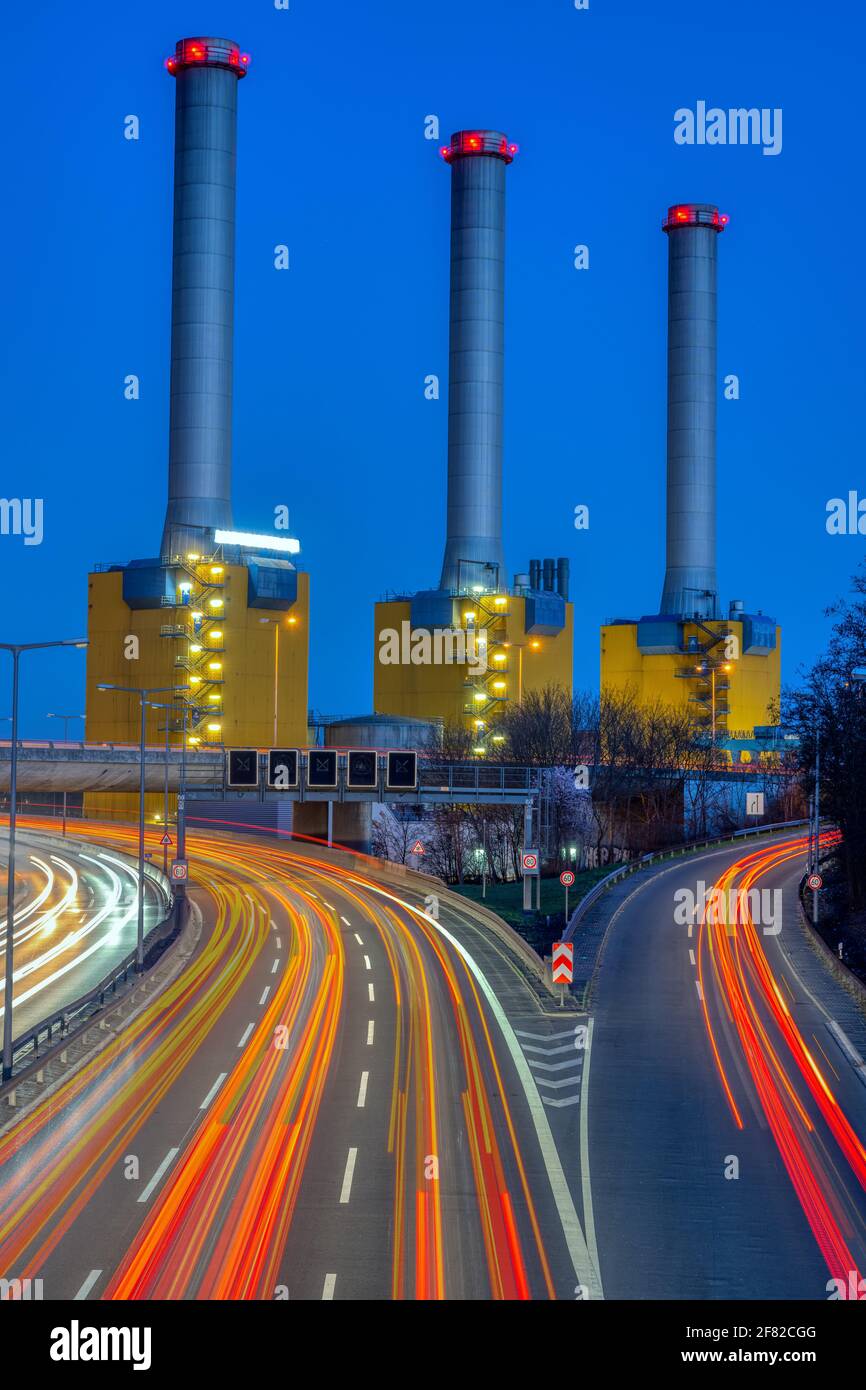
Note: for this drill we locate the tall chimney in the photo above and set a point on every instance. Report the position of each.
(473, 547)
(202, 301)
(690, 588)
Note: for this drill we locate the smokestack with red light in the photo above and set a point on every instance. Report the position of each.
(473, 548)
(207, 71)
(690, 587)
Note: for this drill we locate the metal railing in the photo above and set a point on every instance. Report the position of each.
(657, 856)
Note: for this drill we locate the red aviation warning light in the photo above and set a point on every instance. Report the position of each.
(210, 53)
(695, 215)
(478, 142)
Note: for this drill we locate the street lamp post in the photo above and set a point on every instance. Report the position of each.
(16, 648)
(142, 692)
(66, 718)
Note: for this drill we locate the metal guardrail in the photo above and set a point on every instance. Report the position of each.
(657, 856)
(26, 1047)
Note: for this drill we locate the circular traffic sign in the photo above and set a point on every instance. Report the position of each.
(815, 881)
(566, 878)
(530, 861)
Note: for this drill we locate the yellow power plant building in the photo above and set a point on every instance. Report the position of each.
(231, 638)
(727, 674)
(462, 659)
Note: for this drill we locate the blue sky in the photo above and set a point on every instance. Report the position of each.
(331, 356)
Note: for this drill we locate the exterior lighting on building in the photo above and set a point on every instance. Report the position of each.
(248, 540)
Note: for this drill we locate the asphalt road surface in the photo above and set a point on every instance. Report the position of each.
(76, 917)
(328, 1102)
(727, 1106)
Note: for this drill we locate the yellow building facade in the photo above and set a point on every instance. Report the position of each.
(511, 644)
(235, 650)
(727, 673)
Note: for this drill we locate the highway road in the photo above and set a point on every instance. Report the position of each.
(330, 1101)
(727, 1105)
(76, 916)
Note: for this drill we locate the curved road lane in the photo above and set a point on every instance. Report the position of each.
(328, 1102)
(727, 1108)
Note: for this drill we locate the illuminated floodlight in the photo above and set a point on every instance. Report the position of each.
(249, 540)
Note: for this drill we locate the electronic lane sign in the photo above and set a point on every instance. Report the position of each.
(362, 769)
(242, 767)
(322, 769)
(402, 773)
(282, 768)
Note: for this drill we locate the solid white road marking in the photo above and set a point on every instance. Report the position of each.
(213, 1090)
(169, 1159)
(362, 1090)
(267, 991)
(371, 994)
(346, 1190)
(87, 1285)
(370, 1027)
(328, 1290)
(247, 1031)
(367, 965)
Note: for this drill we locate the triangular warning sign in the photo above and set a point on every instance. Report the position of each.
(417, 848)
(166, 839)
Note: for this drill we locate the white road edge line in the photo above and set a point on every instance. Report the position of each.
(328, 1289)
(158, 1175)
(213, 1090)
(346, 1189)
(362, 1090)
(87, 1285)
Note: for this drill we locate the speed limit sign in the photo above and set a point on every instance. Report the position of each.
(815, 882)
(566, 878)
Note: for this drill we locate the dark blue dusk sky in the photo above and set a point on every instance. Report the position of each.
(331, 356)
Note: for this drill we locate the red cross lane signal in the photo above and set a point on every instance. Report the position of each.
(563, 962)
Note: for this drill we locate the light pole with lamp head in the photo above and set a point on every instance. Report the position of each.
(142, 692)
(16, 648)
(66, 718)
